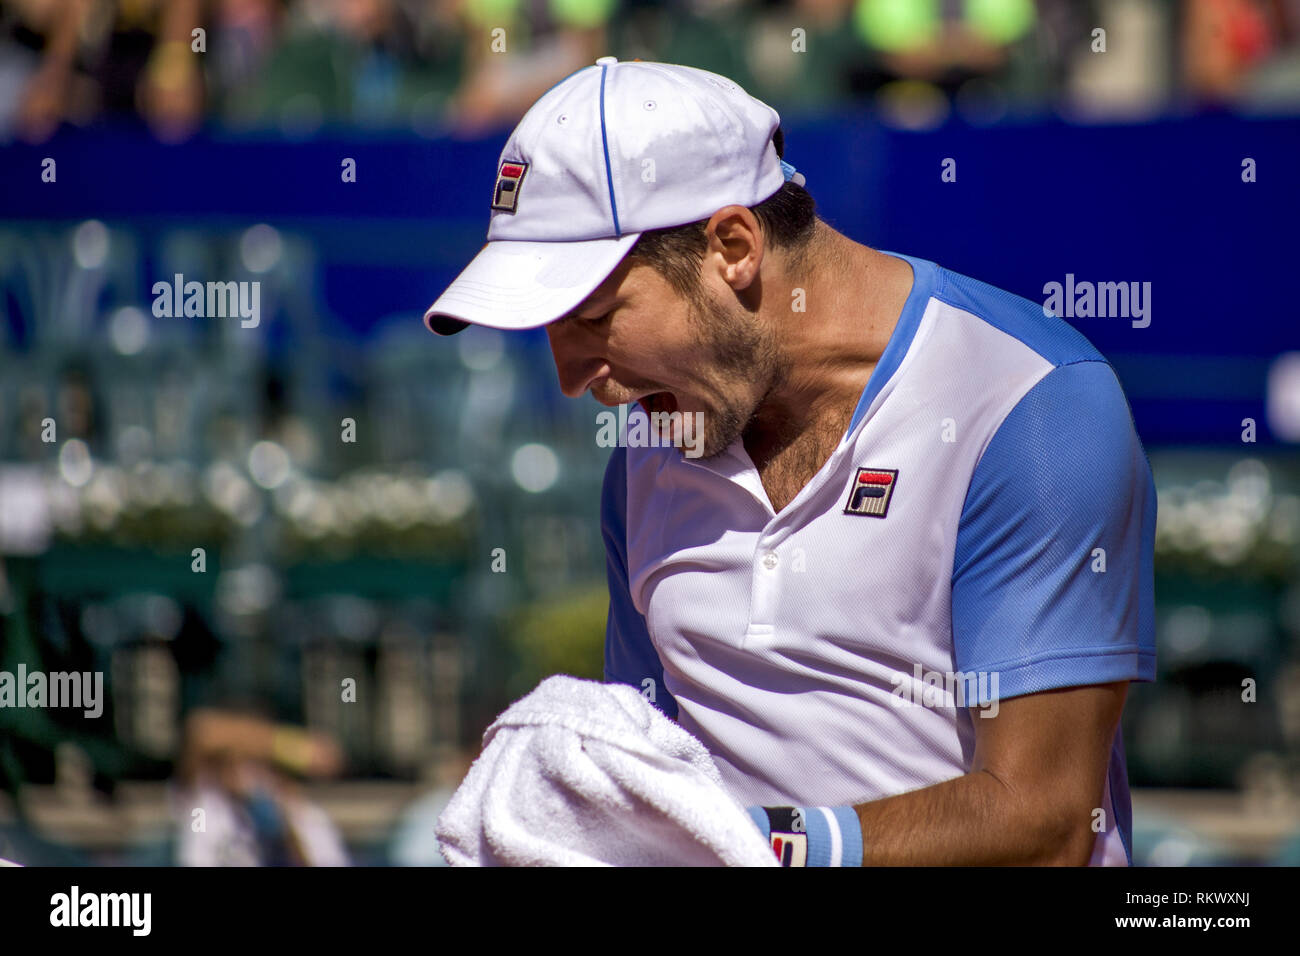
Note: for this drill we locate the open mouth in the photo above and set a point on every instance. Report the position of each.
(659, 402)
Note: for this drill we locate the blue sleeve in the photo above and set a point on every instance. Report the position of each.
(1052, 576)
(630, 657)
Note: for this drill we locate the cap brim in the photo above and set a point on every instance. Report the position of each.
(513, 284)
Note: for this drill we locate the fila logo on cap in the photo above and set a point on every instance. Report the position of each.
(506, 196)
(871, 491)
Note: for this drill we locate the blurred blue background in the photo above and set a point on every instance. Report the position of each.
(372, 559)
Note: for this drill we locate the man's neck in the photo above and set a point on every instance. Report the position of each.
(852, 297)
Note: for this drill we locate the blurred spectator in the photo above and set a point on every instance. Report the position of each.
(87, 57)
(237, 802)
(42, 43)
(1223, 41)
(811, 69)
(359, 62)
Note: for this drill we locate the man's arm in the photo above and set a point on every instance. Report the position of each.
(1037, 777)
(1052, 589)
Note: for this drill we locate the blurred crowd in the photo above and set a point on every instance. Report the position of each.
(464, 66)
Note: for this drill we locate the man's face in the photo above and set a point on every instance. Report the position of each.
(636, 339)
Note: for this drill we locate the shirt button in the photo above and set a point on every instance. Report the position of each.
(770, 560)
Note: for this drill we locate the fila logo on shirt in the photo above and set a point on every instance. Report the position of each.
(506, 196)
(871, 491)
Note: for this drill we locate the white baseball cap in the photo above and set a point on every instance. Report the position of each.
(609, 152)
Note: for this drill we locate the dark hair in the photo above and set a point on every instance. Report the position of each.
(788, 218)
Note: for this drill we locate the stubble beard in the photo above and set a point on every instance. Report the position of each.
(742, 353)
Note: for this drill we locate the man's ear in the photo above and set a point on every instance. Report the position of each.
(736, 245)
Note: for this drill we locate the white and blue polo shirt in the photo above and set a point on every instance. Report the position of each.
(990, 510)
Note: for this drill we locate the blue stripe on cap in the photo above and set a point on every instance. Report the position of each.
(788, 170)
(604, 139)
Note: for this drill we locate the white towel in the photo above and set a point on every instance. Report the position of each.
(579, 773)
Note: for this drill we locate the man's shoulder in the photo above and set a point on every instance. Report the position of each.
(1020, 319)
(1080, 388)
(1043, 385)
